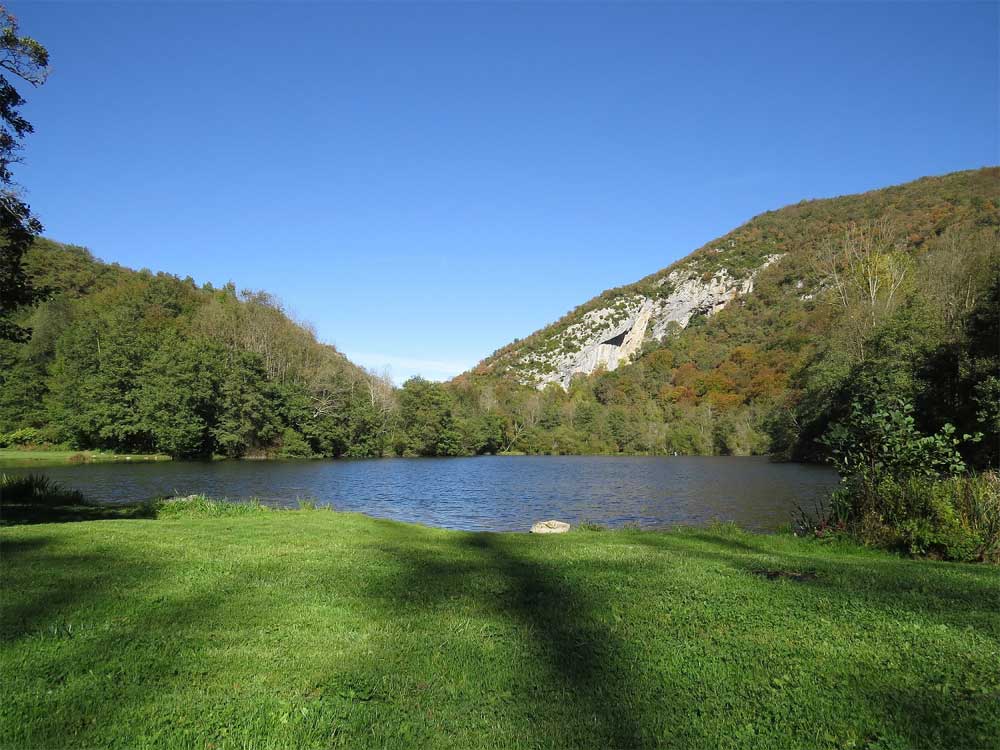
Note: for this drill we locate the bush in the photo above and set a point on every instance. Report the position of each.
(880, 440)
(36, 489)
(21, 437)
(904, 490)
(955, 518)
(977, 503)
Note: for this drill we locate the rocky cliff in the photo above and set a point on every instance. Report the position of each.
(609, 335)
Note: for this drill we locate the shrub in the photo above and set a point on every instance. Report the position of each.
(946, 518)
(879, 440)
(905, 490)
(977, 504)
(21, 437)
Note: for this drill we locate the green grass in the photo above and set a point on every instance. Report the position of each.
(314, 629)
(11, 457)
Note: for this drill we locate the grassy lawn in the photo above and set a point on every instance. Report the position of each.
(313, 629)
(32, 457)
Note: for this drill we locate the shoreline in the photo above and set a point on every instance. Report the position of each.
(19, 458)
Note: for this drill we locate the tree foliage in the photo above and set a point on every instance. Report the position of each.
(134, 361)
(21, 58)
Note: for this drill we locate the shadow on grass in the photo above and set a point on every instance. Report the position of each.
(859, 591)
(586, 665)
(103, 651)
(581, 654)
(52, 586)
(18, 514)
(11, 550)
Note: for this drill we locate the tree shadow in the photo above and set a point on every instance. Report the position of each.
(586, 657)
(9, 550)
(574, 678)
(71, 581)
(19, 514)
(103, 653)
(948, 593)
(49, 625)
(588, 665)
(113, 661)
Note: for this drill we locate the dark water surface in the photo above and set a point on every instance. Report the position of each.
(502, 493)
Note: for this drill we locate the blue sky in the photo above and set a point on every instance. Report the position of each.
(425, 183)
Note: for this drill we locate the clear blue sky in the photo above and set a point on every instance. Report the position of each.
(426, 182)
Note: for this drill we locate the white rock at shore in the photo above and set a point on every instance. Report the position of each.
(550, 527)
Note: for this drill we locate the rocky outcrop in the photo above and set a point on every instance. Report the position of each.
(694, 296)
(617, 347)
(607, 337)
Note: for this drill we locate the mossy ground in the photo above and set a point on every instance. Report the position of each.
(314, 629)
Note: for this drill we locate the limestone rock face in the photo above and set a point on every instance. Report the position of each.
(608, 337)
(550, 527)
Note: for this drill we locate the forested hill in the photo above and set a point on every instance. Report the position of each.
(137, 361)
(758, 342)
(755, 341)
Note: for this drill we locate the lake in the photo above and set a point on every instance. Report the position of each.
(498, 493)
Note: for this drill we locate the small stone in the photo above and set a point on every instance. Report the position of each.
(550, 527)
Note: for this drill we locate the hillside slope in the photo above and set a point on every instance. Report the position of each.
(766, 268)
(762, 339)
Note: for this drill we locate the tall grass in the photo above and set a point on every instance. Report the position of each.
(956, 518)
(202, 506)
(36, 489)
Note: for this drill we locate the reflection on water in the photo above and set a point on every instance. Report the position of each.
(503, 493)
